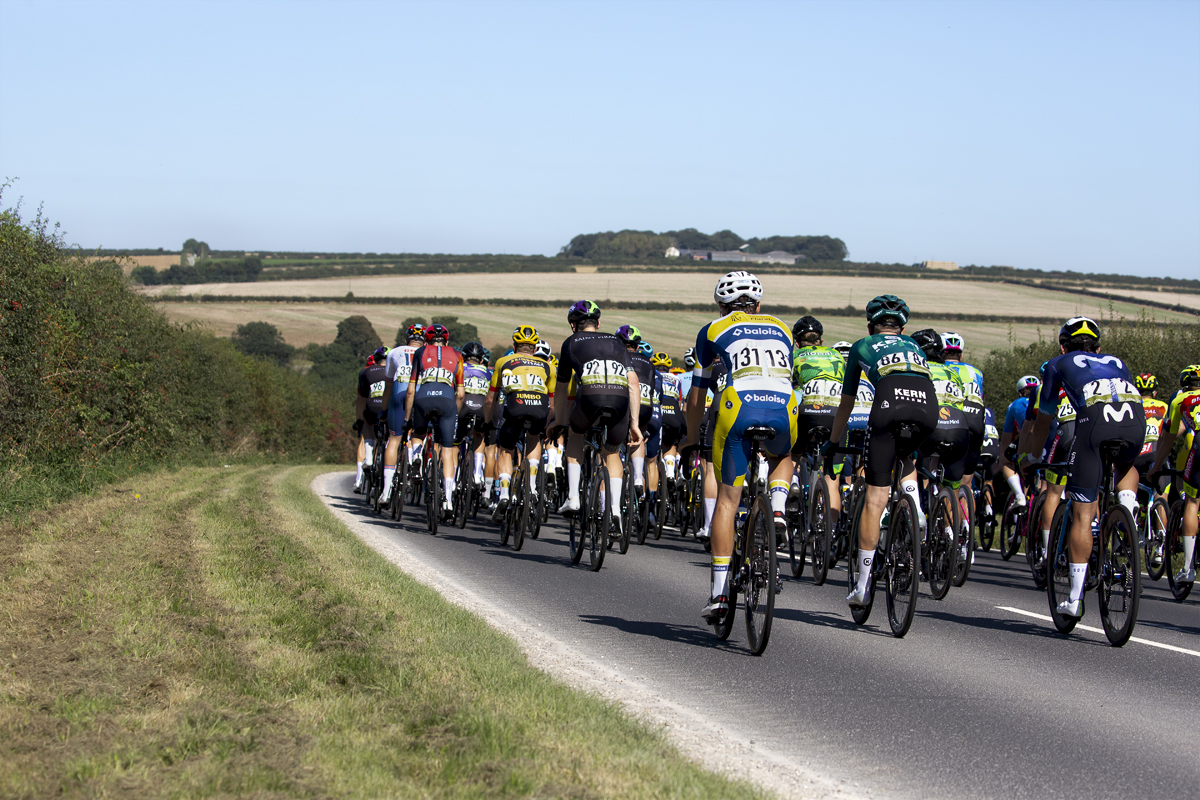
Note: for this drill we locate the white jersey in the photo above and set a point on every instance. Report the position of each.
(399, 369)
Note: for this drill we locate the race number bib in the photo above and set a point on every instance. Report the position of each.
(600, 372)
(822, 392)
(377, 389)
(902, 361)
(436, 375)
(475, 385)
(1111, 391)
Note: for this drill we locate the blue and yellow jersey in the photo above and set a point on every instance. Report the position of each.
(755, 348)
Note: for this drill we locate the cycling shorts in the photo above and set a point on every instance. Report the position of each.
(464, 422)
(1092, 428)
(670, 433)
(654, 444)
(974, 452)
(731, 450)
(431, 405)
(514, 422)
(973, 413)
(587, 410)
(395, 415)
(1188, 463)
(952, 445)
(648, 422)
(1057, 452)
(807, 421)
(899, 399)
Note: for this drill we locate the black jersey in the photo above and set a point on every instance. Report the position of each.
(371, 382)
(592, 364)
(649, 380)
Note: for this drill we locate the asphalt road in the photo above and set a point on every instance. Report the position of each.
(983, 698)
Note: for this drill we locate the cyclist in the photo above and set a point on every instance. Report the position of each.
(399, 368)
(953, 432)
(1184, 419)
(972, 381)
(476, 379)
(369, 409)
(843, 347)
(436, 386)
(718, 379)
(1056, 447)
(523, 384)
(1014, 417)
(756, 350)
(904, 393)
(1100, 388)
(672, 412)
(685, 379)
(650, 385)
(1156, 414)
(817, 375)
(595, 367)
(989, 457)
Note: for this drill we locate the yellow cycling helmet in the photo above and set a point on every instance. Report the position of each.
(554, 361)
(661, 360)
(525, 334)
(1190, 377)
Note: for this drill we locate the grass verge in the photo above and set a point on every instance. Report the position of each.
(223, 634)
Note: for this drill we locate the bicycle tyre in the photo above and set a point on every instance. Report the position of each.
(600, 519)
(987, 524)
(860, 614)
(819, 524)
(518, 506)
(660, 513)
(1033, 541)
(797, 542)
(643, 518)
(1173, 553)
(1010, 528)
(1156, 538)
(1058, 569)
(939, 560)
(629, 511)
(962, 566)
(761, 575)
(1120, 579)
(399, 484)
(901, 565)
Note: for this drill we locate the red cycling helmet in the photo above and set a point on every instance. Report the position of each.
(436, 331)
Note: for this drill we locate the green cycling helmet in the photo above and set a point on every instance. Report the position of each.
(887, 305)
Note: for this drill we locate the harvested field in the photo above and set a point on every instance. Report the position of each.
(1165, 296)
(158, 262)
(930, 296)
(672, 331)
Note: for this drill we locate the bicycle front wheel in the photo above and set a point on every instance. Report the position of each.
(761, 575)
(600, 519)
(987, 522)
(518, 506)
(820, 522)
(860, 614)
(1011, 525)
(1057, 578)
(1173, 554)
(965, 553)
(1157, 518)
(1035, 553)
(1120, 578)
(940, 539)
(433, 492)
(900, 568)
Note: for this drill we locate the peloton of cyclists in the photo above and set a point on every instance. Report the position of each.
(436, 391)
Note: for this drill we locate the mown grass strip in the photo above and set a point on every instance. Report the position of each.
(225, 635)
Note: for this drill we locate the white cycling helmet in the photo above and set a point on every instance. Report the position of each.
(952, 341)
(689, 358)
(543, 350)
(1028, 382)
(843, 347)
(737, 284)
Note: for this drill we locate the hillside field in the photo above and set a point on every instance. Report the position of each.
(930, 296)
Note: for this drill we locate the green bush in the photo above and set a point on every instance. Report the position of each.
(96, 383)
(262, 340)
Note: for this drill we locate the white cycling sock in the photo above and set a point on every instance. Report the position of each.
(448, 484)
(865, 559)
(479, 462)
(1014, 481)
(614, 484)
(720, 575)
(779, 496)
(912, 490)
(533, 472)
(710, 505)
(1046, 541)
(1129, 500)
(573, 471)
(388, 474)
(639, 466)
(669, 465)
(1189, 548)
(505, 480)
(358, 473)
(368, 451)
(1078, 573)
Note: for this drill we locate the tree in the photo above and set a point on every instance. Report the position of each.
(335, 366)
(401, 334)
(199, 249)
(147, 276)
(358, 335)
(262, 340)
(460, 332)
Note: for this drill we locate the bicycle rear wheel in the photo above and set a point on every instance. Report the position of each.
(1173, 554)
(433, 491)
(761, 575)
(643, 517)
(820, 521)
(1058, 569)
(798, 533)
(1034, 552)
(902, 560)
(1011, 525)
(662, 506)
(399, 484)
(986, 521)
(517, 516)
(1158, 517)
(599, 519)
(860, 614)
(966, 536)
(940, 541)
(1120, 578)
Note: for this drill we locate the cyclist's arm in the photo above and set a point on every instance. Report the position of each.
(694, 413)
(360, 405)
(1165, 443)
(842, 418)
(1041, 429)
(635, 408)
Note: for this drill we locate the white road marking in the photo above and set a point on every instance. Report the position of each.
(1047, 618)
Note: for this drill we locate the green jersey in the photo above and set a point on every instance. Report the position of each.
(949, 386)
(881, 355)
(817, 374)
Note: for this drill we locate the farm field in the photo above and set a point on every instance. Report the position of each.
(1166, 296)
(673, 331)
(923, 295)
(158, 262)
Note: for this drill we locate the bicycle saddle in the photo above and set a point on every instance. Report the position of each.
(906, 430)
(1111, 448)
(760, 433)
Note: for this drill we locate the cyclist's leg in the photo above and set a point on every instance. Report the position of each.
(361, 459)
(618, 433)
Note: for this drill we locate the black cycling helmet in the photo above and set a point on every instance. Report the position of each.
(473, 350)
(930, 341)
(805, 325)
(887, 305)
(1081, 329)
(583, 310)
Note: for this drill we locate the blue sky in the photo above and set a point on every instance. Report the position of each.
(1049, 135)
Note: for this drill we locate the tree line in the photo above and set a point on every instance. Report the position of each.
(638, 245)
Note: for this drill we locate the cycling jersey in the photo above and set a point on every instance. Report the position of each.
(672, 399)
(650, 385)
(718, 379)
(399, 368)
(1108, 406)
(972, 381)
(1015, 415)
(685, 383)
(437, 370)
(1156, 415)
(370, 386)
(883, 354)
(952, 438)
(864, 398)
(523, 383)
(476, 378)
(817, 375)
(755, 350)
(1184, 419)
(991, 436)
(594, 363)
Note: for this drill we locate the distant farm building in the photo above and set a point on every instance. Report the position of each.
(947, 265)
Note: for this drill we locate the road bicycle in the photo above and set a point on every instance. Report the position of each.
(465, 494)
(592, 526)
(396, 503)
(966, 536)
(1114, 568)
(373, 472)
(754, 567)
(898, 555)
(811, 528)
(985, 504)
(1173, 560)
(431, 472)
(942, 524)
(1153, 518)
(691, 493)
(523, 512)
